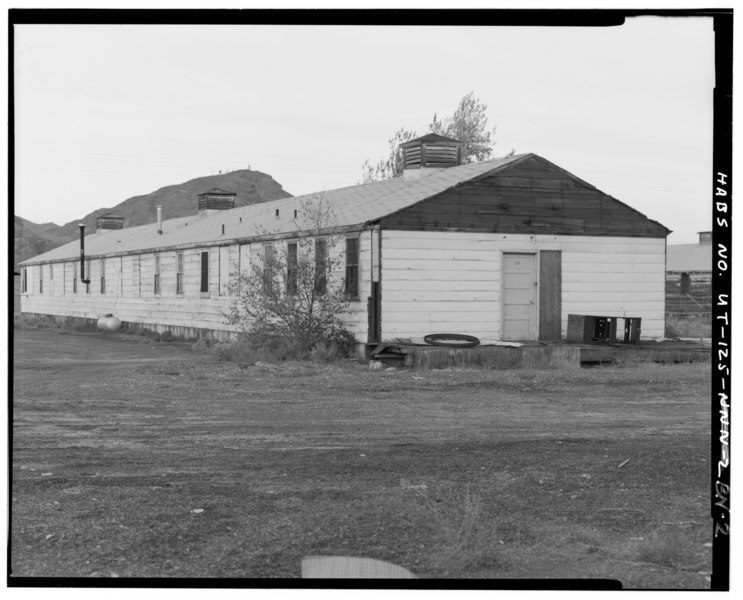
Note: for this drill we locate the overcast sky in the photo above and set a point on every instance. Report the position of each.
(104, 113)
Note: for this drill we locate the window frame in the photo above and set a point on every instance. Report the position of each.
(156, 276)
(179, 273)
(292, 265)
(351, 278)
(204, 284)
(321, 266)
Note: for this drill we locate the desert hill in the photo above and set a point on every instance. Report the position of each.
(251, 187)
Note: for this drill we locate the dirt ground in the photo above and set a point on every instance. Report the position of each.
(140, 459)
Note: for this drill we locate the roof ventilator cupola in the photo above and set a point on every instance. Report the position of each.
(430, 154)
(215, 199)
(107, 222)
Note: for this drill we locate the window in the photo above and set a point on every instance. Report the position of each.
(321, 267)
(269, 255)
(685, 283)
(205, 271)
(41, 279)
(291, 268)
(74, 278)
(24, 281)
(352, 267)
(103, 276)
(179, 273)
(157, 274)
(87, 270)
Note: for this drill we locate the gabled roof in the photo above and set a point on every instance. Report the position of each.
(689, 257)
(350, 207)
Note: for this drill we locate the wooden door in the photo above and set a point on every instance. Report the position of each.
(550, 295)
(519, 297)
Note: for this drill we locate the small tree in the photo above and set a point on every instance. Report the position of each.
(468, 124)
(288, 294)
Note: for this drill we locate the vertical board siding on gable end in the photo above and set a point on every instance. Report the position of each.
(531, 197)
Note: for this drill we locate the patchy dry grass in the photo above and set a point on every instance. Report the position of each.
(133, 458)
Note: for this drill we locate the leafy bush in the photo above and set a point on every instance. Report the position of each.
(288, 303)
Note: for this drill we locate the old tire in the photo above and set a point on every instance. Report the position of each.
(452, 340)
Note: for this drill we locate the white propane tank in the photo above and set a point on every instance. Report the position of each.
(109, 323)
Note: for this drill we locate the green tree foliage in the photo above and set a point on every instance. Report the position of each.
(468, 124)
(289, 294)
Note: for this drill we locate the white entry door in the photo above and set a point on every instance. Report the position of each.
(519, 297)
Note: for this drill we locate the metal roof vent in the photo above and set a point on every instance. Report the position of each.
(428, 154)
(108, 222)
(215, 199)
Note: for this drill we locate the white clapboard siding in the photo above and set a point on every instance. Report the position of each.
(130, 288)
(431, 282)
(442, 285)
(626, 278)
(224, 270)
(428, 271)
(130, 294)
(403, 297)
(234, 267)
(403, 330)
(214, 272)
(356, 318)
(424, 292)
(415, 263)
(605, 295)
(613, 260)
(244, 258)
